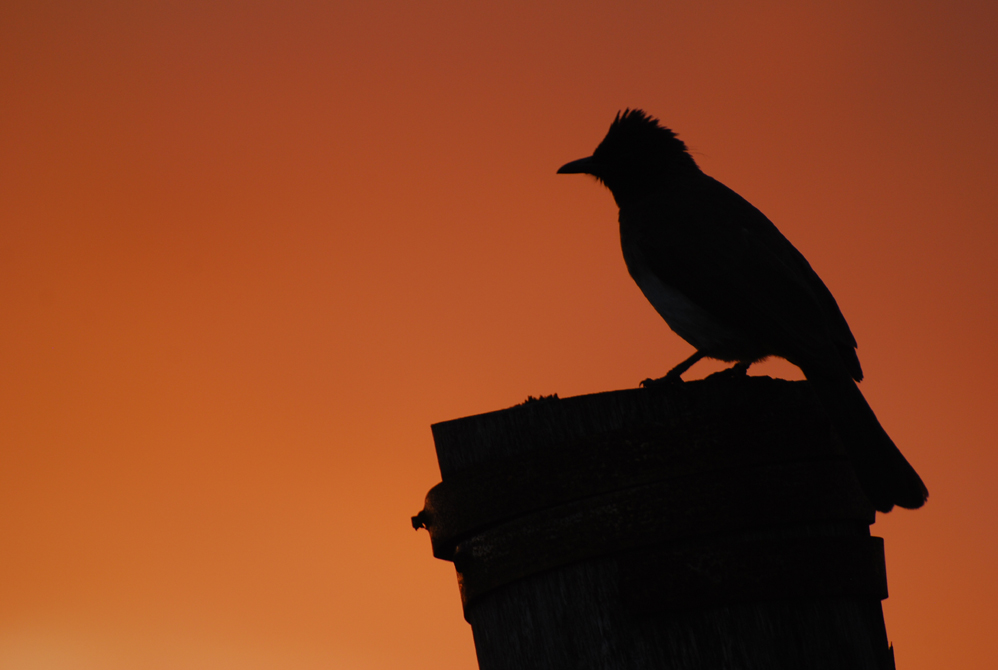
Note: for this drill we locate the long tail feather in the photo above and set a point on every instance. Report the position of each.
(885, 475)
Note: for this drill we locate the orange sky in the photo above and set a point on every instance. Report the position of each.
(249, 252)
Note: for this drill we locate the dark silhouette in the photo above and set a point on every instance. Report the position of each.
(706, 525)
(727, 281)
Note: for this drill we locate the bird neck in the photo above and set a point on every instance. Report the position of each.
(629, 190)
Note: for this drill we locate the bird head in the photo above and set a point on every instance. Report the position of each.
(635, 158)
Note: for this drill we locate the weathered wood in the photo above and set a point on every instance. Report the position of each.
(713, 524)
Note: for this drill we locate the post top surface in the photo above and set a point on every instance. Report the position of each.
(706, 409)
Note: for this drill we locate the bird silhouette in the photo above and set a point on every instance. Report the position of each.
(729, 283)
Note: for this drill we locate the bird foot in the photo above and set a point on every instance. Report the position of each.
(675, 375)
(736, 371)
(668, 380)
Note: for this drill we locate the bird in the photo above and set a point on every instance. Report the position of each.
(727, 281)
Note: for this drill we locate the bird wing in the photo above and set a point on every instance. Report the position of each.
(712, 245)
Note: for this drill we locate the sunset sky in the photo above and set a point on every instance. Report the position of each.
(250, 251)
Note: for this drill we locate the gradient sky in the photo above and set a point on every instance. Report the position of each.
(250, 251)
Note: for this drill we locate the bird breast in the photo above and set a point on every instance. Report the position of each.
(685, 317)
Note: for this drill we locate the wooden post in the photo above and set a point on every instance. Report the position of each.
(710, 524)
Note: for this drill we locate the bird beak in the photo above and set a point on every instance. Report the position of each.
(582, 166)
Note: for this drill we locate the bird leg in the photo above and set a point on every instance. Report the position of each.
(674, 376)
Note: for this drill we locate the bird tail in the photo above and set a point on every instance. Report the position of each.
(885, 475)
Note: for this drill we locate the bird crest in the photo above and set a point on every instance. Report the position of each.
(638, 139)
